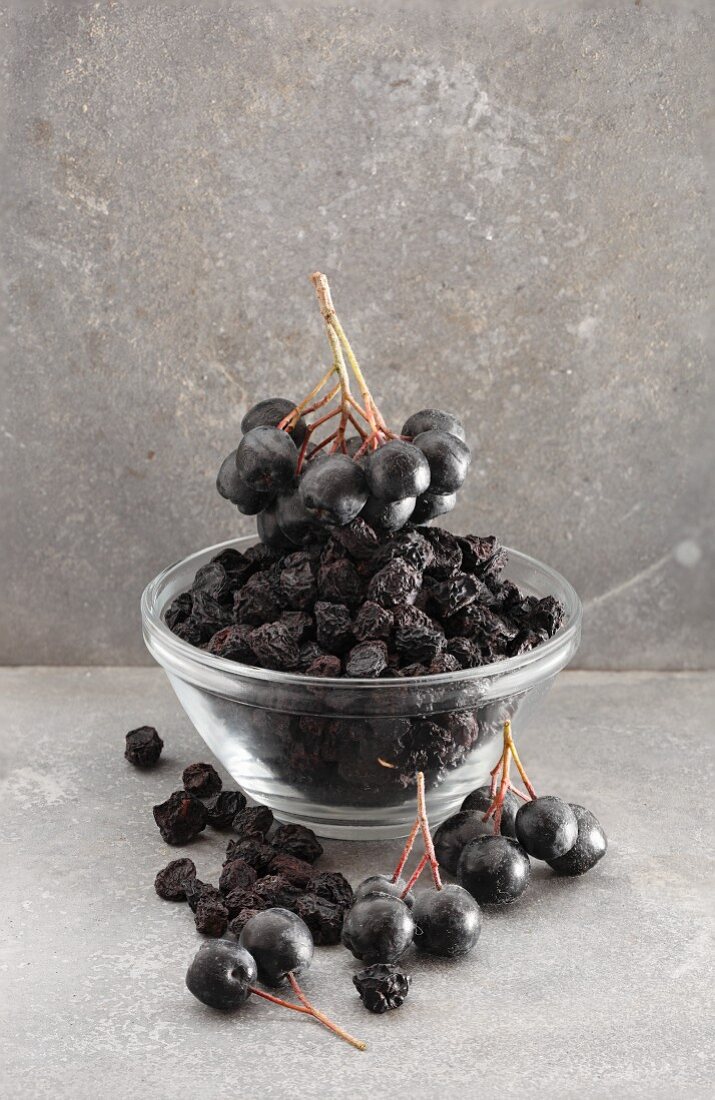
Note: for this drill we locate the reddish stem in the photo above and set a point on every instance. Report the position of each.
(278, 1001)
(322, 1018)
(415, 875)
(409, 845)
(426, 834)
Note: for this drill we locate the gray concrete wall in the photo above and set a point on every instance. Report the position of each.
(510, 202)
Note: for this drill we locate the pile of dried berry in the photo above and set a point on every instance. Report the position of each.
(262, 869)
(419, 602)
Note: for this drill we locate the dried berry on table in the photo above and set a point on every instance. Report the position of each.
(277, 892)
(195, 890)
(256, 853)
(241, 898)
(297, 871)
(170, 883)
(223, 808)
(143, 747)
(236, 875)
(324, 919)
(201, 780)
(382, 986)
(253, 821)
(236, 925)
(333, 886)
(180, 818)
(298, 841)
(211, 916)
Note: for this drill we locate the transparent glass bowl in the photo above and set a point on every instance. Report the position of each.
(333, 753)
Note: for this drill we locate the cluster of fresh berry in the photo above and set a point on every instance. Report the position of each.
(297, 483)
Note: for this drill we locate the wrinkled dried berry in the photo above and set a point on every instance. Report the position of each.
(396, 583)
(443, 662)
(332, 886)
(333, 626)
(416, 635)
(255, 853)
(359, 539)
(233, 644)
(211, 917)
(241, 919)
(143, 747)
(195, 890)
(410, 545)
(447, 553)
(372, 621)
(456, 592)
(239, 899)
(324, 919)
(299, 624)
(277, 892)
(367, 659)
(259, 600)
(297, 841)
(170, 883)
(296, 871)
(180, 818)
(236, 875)
(326, 665)
(223, 808)
(340, 582)
(275, 647)
(178, 610)
(254, 821)
(201, 780)
(298, 587)
(382, 986)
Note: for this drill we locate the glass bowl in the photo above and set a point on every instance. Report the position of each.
(331, 753)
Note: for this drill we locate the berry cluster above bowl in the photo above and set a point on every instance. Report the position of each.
(348, 579)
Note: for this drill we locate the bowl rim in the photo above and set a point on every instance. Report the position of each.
(156, 631)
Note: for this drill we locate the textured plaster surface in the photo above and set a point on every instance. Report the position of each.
(588, 988)
(510, 202)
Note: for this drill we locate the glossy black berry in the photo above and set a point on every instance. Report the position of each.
(293, 518)
(269, 532)
(269, 413)
(231, 486)
(383, 884)
(452, 835)
(591, 845)
(378, 928)
(382, 986)
(280, 942)
(397, 470)
(479, 802)
(334, 491)
(143, 747)
(546, 827)
(447, 921)
(494, 869)
(266, 459)
(448, 459)
(221, 974)
(432, 419)
(430, 505)
(388, 515)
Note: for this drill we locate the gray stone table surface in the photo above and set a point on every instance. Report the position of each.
(586, 988)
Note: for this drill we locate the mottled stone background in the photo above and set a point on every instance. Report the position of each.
(510, 202)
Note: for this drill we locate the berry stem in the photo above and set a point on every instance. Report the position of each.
(409, 844)
(414, 876)
(321, 1017)
(293, 417)
(426, 834)
(499, 787)
(278, 1001)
